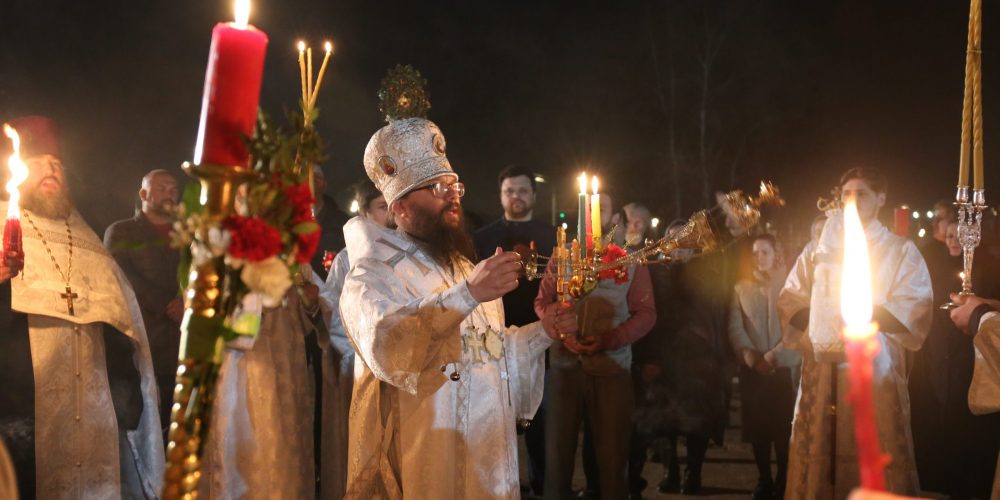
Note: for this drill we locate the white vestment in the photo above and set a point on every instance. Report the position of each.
(338, 384)
(77, 449)
(260, 445)
(415, 433)
(984, 392)
(823, 457)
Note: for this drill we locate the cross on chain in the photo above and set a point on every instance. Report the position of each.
(474, 343)
(69, 295)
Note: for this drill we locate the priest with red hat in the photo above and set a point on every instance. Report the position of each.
(78, 410)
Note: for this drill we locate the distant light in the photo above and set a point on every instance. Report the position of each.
(562, 215)
(539, 178)
(904, 206)
(916, 215)
(922, 232)
(654, 222)
(354, 206)
(930, 214)
(565, 225)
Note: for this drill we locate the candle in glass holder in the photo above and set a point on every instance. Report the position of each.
(861, 346)
(232, 91)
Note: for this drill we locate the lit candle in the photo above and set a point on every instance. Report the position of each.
(319, 80)
(595, 215)
(302, 72)
(232, 91)
(581, 224)
(18, 174)
(861, 346)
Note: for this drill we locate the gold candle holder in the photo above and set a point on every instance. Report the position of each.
(201, 339)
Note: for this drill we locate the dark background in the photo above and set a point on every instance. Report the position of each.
(666, 100)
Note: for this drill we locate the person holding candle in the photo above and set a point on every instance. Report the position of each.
(980, 319)
(78, 407)
(822, 461)
(591, 375)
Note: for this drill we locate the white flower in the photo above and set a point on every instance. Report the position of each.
(200, 254)
(269, 278)
(218, 241)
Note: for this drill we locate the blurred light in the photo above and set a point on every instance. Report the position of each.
(922, 232)
(354, 206)
(539, 178)
(930, 214)
(916, 215)
(562, 215)
(565, 225)
(654, 222)
(904, 206)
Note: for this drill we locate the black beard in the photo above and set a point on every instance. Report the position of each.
(440, 240)
(56, 206)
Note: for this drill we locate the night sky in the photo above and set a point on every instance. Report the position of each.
(667, 101)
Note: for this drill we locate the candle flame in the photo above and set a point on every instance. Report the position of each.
(328, 46)
(583, 183)
(856, 280)
(961, 275)
(241, 9)
(18, 173)
(301, 46)
(593, 184)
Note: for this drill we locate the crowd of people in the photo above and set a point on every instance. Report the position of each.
(407, 367)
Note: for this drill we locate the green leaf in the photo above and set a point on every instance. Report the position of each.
(191, 199)
(305, 227)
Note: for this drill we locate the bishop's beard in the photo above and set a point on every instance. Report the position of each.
(52, 206)
(441, 240)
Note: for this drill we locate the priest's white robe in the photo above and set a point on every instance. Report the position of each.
(260, 445)
(78, 450)
(338, 386)
(984, 392)
(415, 433)
(823, 457)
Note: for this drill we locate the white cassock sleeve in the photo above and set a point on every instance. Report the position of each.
(331, 292)
(911, 299)
(397, 335)
(795, 296)
(526, 347)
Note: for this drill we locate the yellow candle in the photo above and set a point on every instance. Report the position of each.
(595, 213)
(309, 74)
(319, 79)
(302, 72)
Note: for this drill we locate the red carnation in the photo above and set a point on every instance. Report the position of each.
(308, 243)
(301, 200)
(618, 273)
(252, 239)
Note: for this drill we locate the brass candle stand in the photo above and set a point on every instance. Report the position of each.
(201, 338)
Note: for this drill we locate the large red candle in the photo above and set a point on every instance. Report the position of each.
(901, 222)
(861, 349)
(862, 345)
(232, 92)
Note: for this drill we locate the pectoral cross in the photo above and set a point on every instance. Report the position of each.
(69, 296)
(474, 343)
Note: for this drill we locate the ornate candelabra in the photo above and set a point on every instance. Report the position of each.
(705, 231)
(971, 203)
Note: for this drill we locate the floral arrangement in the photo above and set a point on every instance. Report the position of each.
(272, 231)
(609, 256)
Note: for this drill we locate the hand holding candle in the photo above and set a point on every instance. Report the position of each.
(13, 251)
(861, 346)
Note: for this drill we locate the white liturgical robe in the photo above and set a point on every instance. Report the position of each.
(415, 431)
(984, 392)
(77, 448)
(823, 458)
